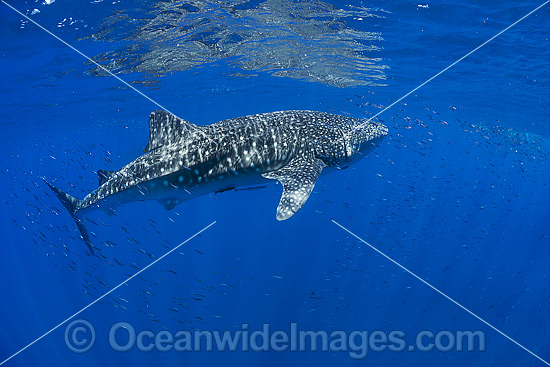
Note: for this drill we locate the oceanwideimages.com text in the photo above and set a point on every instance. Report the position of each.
(80, 337)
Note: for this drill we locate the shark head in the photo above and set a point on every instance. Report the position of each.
(362, 137)
(345, 140)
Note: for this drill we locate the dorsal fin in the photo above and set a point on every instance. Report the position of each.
(104, 175)
(165, 128)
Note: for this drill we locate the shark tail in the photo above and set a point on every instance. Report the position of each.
(71, 204)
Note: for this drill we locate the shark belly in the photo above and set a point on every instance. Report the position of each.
(170, 192)
(173, 189)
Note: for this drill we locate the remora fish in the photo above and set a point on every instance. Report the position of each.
(183, 161)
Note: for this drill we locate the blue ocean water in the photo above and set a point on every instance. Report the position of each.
(457, 193)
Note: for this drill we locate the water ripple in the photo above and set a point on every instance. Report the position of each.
(308, 40)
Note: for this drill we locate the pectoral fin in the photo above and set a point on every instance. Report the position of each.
(298, 178)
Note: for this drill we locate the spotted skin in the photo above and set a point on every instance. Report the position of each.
(183, 160)
(298, 178)
(289, 146)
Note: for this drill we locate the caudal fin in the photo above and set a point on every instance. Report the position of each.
(71, 204)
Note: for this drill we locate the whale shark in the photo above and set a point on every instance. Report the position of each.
(183, 160)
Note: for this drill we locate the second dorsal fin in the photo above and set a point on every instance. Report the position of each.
(104, 175)
(165, 128)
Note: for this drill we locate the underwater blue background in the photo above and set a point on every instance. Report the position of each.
(458, 192)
